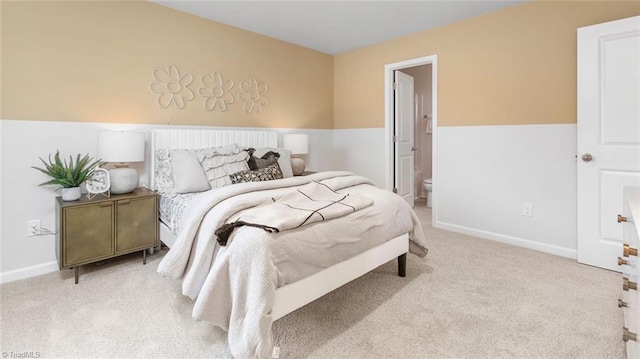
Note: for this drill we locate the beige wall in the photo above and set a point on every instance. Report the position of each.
(93, 62)
(515, 66)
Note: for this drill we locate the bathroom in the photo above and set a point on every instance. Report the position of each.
(423, 132)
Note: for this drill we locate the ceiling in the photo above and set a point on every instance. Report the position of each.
(334, 27)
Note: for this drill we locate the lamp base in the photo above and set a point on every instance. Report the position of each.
(123, 180)
(297, 165)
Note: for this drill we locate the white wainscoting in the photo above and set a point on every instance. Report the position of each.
(22, 142)
(485, 173)
(361, 151)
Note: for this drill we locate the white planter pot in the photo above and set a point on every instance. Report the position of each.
(71, 194)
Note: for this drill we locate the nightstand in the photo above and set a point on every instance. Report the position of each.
(91, 230)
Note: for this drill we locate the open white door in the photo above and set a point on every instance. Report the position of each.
(404, 141)
(608, 135)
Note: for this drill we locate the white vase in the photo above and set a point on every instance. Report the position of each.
(123, 180)
(297, 166)
(71, 194)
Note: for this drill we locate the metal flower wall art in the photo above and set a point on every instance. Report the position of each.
(216, 91)
(252, 93)
(172, 87)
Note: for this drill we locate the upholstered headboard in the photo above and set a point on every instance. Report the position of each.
(193, 139)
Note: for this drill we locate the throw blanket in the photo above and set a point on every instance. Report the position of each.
(309, 203)
(234, 286)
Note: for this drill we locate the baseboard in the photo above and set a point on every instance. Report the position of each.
(28, 272)
(520, 242)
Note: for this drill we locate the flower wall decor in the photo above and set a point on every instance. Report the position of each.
(216, 92)
(172, 87)
(252, 93)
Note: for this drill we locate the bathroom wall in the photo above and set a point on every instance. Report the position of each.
(423, 141)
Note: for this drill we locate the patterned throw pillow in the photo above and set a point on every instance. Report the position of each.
(264, 174)
(163, 171)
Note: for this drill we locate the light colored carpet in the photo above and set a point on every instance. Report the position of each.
(469, 298)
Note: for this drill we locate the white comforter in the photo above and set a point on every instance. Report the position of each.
(234, 286)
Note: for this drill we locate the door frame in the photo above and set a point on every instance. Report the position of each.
(389, 122)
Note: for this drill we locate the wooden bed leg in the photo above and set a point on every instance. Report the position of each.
(402, 265)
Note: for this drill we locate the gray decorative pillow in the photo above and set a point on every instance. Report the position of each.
(284, 161)
(256, 163)
(269, 173)
(188, 175)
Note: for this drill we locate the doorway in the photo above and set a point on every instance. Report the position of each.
(423, 131)
(424, 119)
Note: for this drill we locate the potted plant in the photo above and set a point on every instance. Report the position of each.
(68, 174)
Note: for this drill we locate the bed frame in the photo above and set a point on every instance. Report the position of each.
(294, 295)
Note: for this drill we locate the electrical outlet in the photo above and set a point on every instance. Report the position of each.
(33, 228)
(527, 209)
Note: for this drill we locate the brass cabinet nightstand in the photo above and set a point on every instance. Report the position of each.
(91, 230)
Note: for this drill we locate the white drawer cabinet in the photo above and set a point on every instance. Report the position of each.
(628, 260)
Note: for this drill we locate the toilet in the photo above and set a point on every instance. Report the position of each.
(428, 186)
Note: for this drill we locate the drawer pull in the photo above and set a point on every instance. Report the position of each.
(628, 251)
(622, 303)
(622, 262)
(626, 285)
(627, 335)
(621, 219)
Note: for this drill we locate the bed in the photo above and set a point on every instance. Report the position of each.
(259, 276)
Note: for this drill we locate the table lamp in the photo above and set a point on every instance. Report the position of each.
(121, 148)
(298, 144)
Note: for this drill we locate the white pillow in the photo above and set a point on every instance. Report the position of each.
(164, 183)
(218, 164)
(284, 161)
(188, 175)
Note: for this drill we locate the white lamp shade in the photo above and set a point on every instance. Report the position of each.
(120, 146)
(298, 144)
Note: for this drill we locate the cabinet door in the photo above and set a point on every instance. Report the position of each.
(136, 224)
(88, 233)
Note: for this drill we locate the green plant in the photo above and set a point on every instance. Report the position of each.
(67, 174)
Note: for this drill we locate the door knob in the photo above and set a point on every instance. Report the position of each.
(587, 157)
(414, 149)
